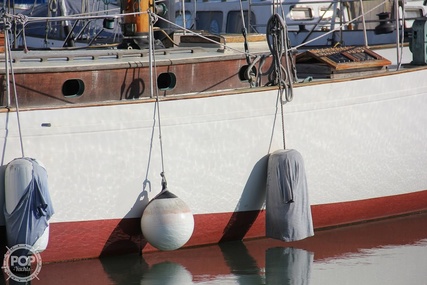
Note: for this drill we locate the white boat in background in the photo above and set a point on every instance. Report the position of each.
(206, 111)
(314, 23)
(310, 23)
(20, 5)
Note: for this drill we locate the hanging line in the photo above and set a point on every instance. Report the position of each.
(244, 32)
(9, 62)
(153, 72)
(242, 15)
(254, 78)
(282, 76)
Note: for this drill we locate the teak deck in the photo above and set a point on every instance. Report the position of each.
(339, 62)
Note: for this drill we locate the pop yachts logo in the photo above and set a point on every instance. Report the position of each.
(22, 263)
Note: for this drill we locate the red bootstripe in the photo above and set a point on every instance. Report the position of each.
(89, 239)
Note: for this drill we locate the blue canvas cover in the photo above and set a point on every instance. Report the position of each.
(288, 213)
(29, 219)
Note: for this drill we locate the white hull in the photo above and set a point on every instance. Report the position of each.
(360, 139)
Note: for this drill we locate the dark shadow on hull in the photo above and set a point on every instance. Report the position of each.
(239, 225)
(126, 238)
(253, 197)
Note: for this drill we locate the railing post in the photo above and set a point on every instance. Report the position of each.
(364, 23)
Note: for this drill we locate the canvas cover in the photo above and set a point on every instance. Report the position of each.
(27, 222)
(288, 213)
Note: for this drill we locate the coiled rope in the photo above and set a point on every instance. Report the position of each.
(279, 46)
(281, 76)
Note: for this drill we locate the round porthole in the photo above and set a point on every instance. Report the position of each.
(166, 81)
(73, 88)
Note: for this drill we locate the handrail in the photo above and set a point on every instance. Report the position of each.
(24, 21)
(99, 15)
(342, 25)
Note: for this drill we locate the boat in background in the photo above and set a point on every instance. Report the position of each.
(20, 5)
(206, 111)
(311, 23)
(90, 23)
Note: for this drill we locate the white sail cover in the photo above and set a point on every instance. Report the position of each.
(29, 219)
(288, 213)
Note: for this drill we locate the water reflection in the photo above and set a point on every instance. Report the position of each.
(287, 265)
(385, 252)
(167, 273)
(124, 269)
(240, 262)
(404, 264)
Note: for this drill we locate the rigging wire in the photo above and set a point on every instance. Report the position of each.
(402, 35)
(340, 26)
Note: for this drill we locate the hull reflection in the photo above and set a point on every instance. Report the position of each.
(261, 261)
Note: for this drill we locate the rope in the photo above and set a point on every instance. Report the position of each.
(21, 19)
(9, 62)
(279, 45)
(153, 74)
(244, 32)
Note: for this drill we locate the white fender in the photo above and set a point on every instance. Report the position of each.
(167, 222)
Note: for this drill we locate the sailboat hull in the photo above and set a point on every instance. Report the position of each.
(104, 146)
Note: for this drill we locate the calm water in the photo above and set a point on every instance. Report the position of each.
(388, 252)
